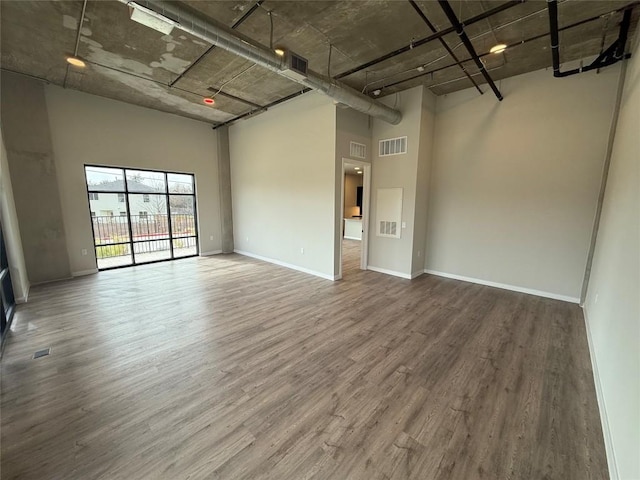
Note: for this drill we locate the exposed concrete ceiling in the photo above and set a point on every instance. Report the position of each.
(136, 64)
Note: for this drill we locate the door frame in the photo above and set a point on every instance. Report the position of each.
(366, 196)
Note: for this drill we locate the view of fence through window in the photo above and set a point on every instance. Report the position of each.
(141, 216)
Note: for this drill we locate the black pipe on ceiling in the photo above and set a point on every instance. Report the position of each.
(611, 55)
(262, 109)
(235, 25)
(444, 44)
(446, 8)
(430, 38)
(511, 45)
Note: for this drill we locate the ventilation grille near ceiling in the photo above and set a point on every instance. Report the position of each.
(393, 146)
(388, 228)
(358, 150)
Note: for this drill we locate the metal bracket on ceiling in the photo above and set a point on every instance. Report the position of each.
(611, 55)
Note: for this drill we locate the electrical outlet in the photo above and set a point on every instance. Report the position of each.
(404, 224)
(210, 237)
(84, 251)
(302, 251)
(595, 300)
(418, 253)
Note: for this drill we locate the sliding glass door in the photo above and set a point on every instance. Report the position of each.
(141, 216)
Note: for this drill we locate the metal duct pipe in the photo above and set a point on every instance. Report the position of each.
(212, 32)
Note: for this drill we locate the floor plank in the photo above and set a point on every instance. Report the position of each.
(226, 367)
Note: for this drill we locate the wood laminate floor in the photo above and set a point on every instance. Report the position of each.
(230, 368)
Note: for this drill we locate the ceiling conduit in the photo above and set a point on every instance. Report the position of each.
(613, 54)
(207, 29)
(446, 8)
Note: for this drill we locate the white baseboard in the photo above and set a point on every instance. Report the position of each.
(208, 254)
(530, 291)
(352, 238)
(82, 273)
(604, 418)
(390, 272)
(288, 265)
(25, 297)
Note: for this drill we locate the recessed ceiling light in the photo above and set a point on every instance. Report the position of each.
(377, 92)
(76, 62)
(356, 168)
(498, 48)
(279, 51)
(420, 68)
(209, 101)
(360, 172)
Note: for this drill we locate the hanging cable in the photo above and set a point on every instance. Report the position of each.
(271, 31)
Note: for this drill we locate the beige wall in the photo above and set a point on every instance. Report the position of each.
(351, 126)
(515, 183)
(423, 182)
(395, 255)
(351, 184)
(612, 305)
(283, 174)
(87, 129)
(11, 230)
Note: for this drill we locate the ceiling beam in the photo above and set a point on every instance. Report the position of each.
(430, 38)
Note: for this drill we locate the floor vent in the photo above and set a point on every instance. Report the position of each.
(42, 353)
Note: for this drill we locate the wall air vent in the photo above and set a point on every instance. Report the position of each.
(393, 146)
(357, 150)
(295, 66)
(389, 212)
(388, 229)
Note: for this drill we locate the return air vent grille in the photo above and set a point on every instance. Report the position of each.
(389, 212)
(299, 64)
(358, 150)
(295, 66)
(393, 146)
(388, 228)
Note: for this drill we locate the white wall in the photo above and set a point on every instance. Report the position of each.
(395, 255)
(515, 183)
(612, 305)
(11, 230)
(283, 174)
(87, 129)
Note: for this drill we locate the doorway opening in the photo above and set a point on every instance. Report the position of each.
(141, 216)
(356, 178)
